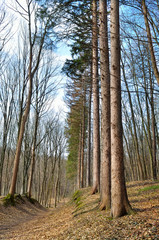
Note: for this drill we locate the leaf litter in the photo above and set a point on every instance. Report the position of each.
(71, 221)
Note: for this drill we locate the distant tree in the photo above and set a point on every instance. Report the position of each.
(78, 70)
(33, 66)
(6, 92)
(7, 98)
(148, 18)
(44, 89)
(89, 142)
(76, 119)
(150, 39)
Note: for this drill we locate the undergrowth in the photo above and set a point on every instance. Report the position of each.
(9, 200)
(154, 187)
(76, 198)
(12, 200)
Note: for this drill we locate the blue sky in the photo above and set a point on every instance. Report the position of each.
(62, 51)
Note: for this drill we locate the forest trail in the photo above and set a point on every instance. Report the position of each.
(84, 220)
(29, 221)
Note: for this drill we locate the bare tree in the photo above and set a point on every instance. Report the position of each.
(31, 72)
(149, 37)
(44, 91)
(7, 94)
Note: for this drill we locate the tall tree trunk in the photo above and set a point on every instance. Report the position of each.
(83, 132)
(148, 125)
(153, 124)
(120, 205)
(105, 116)
(32, 158)
(79, 159)
(26, 157)
(34, 143)
(26, 112)
(21, 132)
(3, 150)
(88, 177)
(58, 179)
(31, 73)
(149, 37)
(96, 134)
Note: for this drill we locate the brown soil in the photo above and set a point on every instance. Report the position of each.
(85, 221)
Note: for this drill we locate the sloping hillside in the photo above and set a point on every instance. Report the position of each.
(82, 219)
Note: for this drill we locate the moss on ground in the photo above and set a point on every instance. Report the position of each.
(77, 196)
(9, 200)
(12, 200)
(149, 188)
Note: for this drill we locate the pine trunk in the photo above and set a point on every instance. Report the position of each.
(105, 116)
(96, 134)
(79, 159)
(120, 205)
(88, 179)
(83, 133)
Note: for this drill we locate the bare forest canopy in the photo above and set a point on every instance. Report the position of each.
(110, 133)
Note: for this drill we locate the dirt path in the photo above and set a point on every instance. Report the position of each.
(46, 225)
(29, 222)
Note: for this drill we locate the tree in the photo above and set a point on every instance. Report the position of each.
(76, 119)
(150, 42)
(88, 174)
(105, 111)
(31, 72)
(6, 91)
(120, 204)
(7, 94)
(95, 86)
(44, 91)
(79, 78)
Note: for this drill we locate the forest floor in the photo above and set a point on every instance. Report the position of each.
(84, 220)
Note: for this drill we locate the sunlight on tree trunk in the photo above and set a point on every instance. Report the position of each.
(96, 137)
(105, 115)
(120, 205)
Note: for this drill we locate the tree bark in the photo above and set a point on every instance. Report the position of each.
(88, 175)
(153, 124)
(83, 132)
(3, 150)
(57, 181)
(79, 159)
(120, 204)
(21, 133)
(34, 143)
(96, 134)
(33, 158)
(105, 115)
